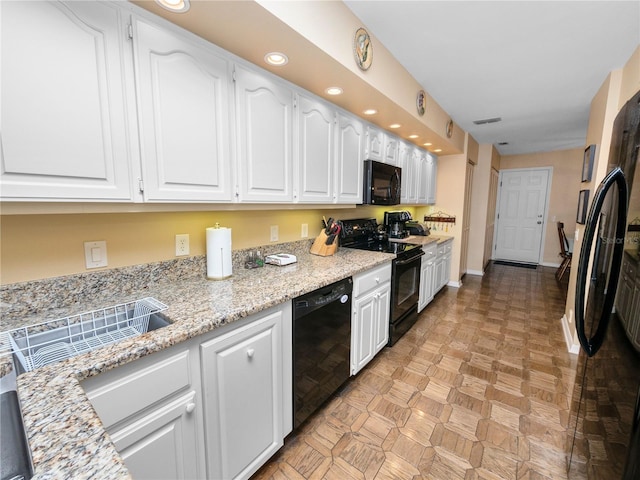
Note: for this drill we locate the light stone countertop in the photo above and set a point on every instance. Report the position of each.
(422, 239)
(66, 437)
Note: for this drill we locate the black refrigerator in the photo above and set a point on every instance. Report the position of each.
(604, 418)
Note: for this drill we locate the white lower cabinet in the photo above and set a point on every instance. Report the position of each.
(434, 271)
(162, 444)
(443, 264)
(150, 409)
(427, 275)
(242, 380)
(217, 406)
(370, 319)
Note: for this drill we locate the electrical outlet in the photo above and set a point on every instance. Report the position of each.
(274, 233)
(304, 231)
(182, 245)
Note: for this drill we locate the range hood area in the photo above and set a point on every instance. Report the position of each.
(318, 39)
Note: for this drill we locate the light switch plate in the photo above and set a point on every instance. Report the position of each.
(95, 254)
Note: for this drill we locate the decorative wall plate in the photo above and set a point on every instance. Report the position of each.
(449, 128)
(362, 49)
(421, 102)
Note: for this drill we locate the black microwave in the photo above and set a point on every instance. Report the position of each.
(381, 183)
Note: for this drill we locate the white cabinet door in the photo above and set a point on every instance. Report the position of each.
(264, 110)
(408, 160)
(432, 167)
(183, 91)
(381, 334)
(363, 328)
(391, 149)
(375, 144)
(163, 444)
(370, 319)
(427, 272)
(316, 153)
(422, 180)
(242, 391)
(63, 106)
(349, 159)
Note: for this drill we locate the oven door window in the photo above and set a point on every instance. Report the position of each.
(406, 287)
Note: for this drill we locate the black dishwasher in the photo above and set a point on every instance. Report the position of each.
(321, 346)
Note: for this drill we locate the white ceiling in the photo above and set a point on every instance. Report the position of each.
(535, 64)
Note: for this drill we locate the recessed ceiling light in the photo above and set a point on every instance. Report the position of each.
(334, 91)
(178, 6)
(413, 136)
(395, 125)
(276, 58)
(370, 111)
(438, 150)
(427, 144)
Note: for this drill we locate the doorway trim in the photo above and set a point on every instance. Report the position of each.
(549, 170)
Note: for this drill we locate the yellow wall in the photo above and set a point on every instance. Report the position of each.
(563, 198)
(43, 246)
(615, 91)
(479, 208)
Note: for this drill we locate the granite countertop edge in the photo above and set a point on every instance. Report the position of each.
(66, 437)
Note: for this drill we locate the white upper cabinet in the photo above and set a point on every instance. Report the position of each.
(423, 176)
(264, 136)
(432, 167)
(63, 107)
(183, 91)
(375, 144)
(349, 159)
(316, 153)
(419, 170)
(408, 162)
(391, 149)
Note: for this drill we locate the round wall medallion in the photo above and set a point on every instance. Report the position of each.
(449, 128)
(421, 102)
(362, 49)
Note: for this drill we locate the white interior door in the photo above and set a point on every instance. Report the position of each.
(522, 200)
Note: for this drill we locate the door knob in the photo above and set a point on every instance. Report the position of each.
(190, 407)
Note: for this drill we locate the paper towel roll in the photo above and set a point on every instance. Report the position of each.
(218, 253)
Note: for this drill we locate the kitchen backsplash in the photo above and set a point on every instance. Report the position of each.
(47, 299)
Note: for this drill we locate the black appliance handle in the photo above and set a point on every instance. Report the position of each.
(614, 177)
(409, 260)
(395, 185)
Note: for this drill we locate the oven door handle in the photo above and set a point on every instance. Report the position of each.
(404, 262)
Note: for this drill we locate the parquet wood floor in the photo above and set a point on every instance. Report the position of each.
(477, 389)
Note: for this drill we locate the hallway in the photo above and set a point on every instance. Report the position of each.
(478, 389)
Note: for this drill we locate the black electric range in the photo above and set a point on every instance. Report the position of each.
(362, 234)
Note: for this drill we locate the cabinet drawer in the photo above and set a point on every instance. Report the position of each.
(373, 278)
(430, 250)
(122, 392)
(441, 249)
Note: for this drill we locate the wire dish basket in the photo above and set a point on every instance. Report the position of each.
(56, 340)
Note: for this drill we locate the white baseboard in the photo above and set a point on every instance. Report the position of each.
(480, 273)
(454, 284)
(548, 264)
(568, 337)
